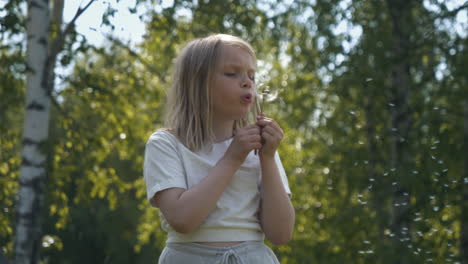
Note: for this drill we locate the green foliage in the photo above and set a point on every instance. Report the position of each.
(12, 93)
(12, 20)
(335, 105)
(107, 113)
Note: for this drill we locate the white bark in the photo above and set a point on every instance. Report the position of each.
(40, 82)
(35, 135)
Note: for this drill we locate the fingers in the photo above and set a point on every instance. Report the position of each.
(254, 138)
(253, 129)
(265, 134)
(270, 125)
(272, 134)
(256, 144)
(250, 136)
(264, 121)
(250, 143)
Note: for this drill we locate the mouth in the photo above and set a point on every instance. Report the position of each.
(248, 98)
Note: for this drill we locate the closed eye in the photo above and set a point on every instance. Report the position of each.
(234, 74)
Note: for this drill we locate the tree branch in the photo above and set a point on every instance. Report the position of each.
(136, 55)
(56, 47)
(453, 12)
(59, 41)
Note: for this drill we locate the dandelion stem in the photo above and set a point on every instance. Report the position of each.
(265, 94)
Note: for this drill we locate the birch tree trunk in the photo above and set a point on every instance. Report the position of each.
(40, 58)
(35, 135)
(400, 14)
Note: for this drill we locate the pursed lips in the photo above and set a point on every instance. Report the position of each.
(247, 98)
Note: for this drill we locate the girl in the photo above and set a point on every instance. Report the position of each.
(217, 197)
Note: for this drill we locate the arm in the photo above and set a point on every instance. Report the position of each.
(277, 213)
(185, 210)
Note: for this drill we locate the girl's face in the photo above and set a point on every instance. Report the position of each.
(233, 84)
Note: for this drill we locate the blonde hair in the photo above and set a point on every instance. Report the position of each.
(189, 110)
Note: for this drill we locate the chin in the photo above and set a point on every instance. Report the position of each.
(241, 114)
(246, 116)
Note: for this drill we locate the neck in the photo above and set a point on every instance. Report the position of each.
(222, 129)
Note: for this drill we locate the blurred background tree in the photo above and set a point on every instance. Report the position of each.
(371, 96)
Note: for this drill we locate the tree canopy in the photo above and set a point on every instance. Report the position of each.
(372, 96)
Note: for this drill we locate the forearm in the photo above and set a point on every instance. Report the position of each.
(277, 212)
(195, 204)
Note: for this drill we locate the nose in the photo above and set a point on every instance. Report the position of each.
(247, 82)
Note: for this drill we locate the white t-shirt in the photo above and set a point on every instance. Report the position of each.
(168, 163)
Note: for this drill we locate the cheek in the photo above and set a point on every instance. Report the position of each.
(219, 99)
(222, 93)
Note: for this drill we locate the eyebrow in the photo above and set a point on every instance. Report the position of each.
(237, 66)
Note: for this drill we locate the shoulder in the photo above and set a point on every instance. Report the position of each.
(162, 134)
(162, 138)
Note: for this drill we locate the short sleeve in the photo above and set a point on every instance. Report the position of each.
(282, 173)
(162, 167)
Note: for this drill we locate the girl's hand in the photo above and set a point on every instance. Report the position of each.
(271, 133)
(245, 140)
